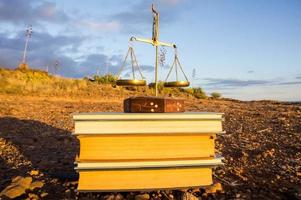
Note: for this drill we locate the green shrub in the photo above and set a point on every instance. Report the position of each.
(160, 86)
(106, 79)
(199, 93)
(188, 91)
(196, 92)
(216, 95)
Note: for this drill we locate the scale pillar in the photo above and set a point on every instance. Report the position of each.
(156, 73)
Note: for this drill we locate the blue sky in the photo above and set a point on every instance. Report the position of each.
(247, 49)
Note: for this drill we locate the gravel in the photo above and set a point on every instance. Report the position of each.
(261, 146)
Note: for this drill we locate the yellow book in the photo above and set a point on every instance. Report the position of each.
(138, 179)
(145, 147)
(145, 175)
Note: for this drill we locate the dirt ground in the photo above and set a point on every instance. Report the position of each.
(261, 146)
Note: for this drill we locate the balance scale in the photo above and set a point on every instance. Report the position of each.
(154, 144)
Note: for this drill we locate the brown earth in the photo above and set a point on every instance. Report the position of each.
(262, 148)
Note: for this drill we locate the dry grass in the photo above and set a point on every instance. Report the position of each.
(40, 83)
(37, 82)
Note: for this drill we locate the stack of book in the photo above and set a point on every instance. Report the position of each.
(142, 151)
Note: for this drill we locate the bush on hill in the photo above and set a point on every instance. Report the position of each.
(106, 79)
(216, 95)
(196, 92)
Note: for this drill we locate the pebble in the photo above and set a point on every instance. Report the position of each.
(33, 196)
(216, 187)
(118, 197)
(189, 196)
(17, 187)
(44, 194)
(34, 172)
(36, 184)
(142, 197)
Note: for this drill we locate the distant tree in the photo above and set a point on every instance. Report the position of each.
(216, 95)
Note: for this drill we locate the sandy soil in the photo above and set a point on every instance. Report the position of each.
(262, 148)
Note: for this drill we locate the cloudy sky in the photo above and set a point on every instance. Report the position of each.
(247, 49)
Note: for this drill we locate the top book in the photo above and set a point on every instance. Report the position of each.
(148, 123)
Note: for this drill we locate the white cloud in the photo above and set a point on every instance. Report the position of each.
(100, 26)
(171, 2)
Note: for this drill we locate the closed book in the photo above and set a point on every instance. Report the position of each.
(145, 147)
(145, 175)
(143, 179)
(147, 123)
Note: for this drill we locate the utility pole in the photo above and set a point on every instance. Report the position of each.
(56, 66)
(193, 76)
(28, 34)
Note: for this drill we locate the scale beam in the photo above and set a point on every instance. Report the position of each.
(152, 42)
(167, 44)
(149, 41)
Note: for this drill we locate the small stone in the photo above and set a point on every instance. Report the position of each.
(73, 182)
(33, 196)
(189, 196)
(23, 182)
(142, 197)
(36, 184)
(17, 187)
(34, 172)
(13, 191)
(118, 197)
(217, 187)
(54, 180)
(205, 195)
(44, 194)
(109, 197)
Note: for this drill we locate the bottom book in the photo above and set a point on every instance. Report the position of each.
(143, 179)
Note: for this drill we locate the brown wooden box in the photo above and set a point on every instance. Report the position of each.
(144, 104)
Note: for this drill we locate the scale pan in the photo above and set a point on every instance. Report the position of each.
(130, 82)
(177, 84)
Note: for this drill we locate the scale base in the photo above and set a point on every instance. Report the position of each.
(151, 104)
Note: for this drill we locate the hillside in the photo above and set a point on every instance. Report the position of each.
(29, 82)
(261, 146)
(40, 83)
